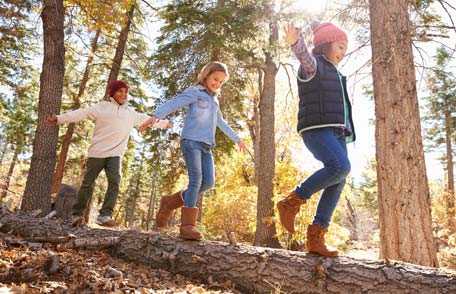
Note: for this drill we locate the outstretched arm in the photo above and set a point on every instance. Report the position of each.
(183, 99)
(72, 116)
(295, 39)
(225, 128)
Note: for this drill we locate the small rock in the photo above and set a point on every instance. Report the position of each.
(113, 273)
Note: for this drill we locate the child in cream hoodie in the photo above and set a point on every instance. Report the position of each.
(114, 120)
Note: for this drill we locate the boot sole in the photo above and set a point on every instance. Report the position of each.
(107, 224)
(323, 255)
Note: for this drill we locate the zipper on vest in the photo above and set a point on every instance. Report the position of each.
(343, 98)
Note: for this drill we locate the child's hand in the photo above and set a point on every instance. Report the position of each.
(292, 34)
(150, 121)
(241, 146)
(163, 124)
(51, 120)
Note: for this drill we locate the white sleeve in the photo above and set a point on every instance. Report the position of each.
(77, 115)
(140, 117)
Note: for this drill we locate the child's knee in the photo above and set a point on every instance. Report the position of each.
(207, 184)
(114, 179)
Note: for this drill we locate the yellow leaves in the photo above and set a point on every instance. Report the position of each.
(104, 15)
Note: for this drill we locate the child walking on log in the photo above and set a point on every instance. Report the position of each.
(114, 120)
(197, 141)
(326, 126)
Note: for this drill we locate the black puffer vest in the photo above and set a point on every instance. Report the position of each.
(321, 100)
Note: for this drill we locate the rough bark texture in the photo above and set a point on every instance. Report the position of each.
(37, 194)
(60, 169)
(266, 234)
(251, 269)
(404, 200)
(120, 49)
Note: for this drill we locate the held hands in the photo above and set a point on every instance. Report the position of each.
(164, 124)
(51, 120)
(292, 34)
(150, 121)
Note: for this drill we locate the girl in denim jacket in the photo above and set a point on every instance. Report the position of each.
(197, 140)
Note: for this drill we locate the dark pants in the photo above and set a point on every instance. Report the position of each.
(111, 165)
(328, 146)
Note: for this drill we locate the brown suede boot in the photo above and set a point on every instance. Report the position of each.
(288, 209)
(167, 205)
(316, 241)
(188, 230)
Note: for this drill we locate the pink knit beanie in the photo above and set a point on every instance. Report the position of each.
(327, 32)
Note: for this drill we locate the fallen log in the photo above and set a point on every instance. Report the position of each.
(251, 269)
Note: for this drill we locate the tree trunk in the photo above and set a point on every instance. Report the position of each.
(60, 169)
(451, 213)
(10, 172)
(353, 219)
(132, 200)
(266, 234)
(152, 200)
(118, 57)
(37, 194)
(254, 128)
(251, 269)
(404, 200)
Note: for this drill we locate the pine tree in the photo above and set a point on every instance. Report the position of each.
(441, 105)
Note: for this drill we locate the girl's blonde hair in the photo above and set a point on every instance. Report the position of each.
(210, 68)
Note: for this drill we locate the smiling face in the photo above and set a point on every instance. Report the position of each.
(120, 96)
(214, 81)
(337, 51)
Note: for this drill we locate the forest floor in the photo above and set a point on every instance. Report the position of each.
(28, 268)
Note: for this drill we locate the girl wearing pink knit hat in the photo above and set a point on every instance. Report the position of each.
(326, 126)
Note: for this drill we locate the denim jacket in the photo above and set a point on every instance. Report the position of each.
(203, 115)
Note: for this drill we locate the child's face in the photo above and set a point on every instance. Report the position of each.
(120, 95)
(215, 80)
(337, 51)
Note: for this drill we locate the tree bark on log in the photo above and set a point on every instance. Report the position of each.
(251, 269)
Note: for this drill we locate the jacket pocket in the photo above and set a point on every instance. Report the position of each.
(201, 103)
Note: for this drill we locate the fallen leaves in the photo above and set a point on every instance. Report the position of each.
(28, 267)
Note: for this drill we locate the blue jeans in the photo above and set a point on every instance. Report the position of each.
(328, 146)
(200, 167)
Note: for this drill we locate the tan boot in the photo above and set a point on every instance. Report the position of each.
(288, 209)
(316, 241)
(188, 230)
(167, 205)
